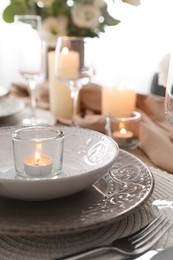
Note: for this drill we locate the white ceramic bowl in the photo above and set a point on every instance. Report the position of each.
(87, 156)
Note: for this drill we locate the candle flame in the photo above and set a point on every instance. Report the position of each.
(121, 125)
(38, 147)
(65, 51)
(37, 157)
(123, 131)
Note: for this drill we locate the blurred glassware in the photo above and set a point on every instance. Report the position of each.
(73, 66)
(124, 130)
(169, 92)
(31, 59)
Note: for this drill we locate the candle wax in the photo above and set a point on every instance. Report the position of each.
(38, 168)
(59, 93)
(118, 102)
(68, 64)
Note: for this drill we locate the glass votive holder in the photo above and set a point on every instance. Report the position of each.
(124, 130)
(38, 152)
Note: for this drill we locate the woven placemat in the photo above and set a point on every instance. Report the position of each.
(20, 247)
(48, 247)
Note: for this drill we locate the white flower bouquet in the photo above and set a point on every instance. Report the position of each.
(84, 18)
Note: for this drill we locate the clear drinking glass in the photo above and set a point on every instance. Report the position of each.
(124, 130)
(169, 92)
(38, 152)
(31, 59)
(73, 66)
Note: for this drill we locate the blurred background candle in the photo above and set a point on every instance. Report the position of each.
(118, 100)
(122, 133)
(124, 130)
(68, 64)
(59, 94)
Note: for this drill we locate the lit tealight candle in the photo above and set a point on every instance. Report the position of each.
(38, 165)
(123, 137)
(123, 133)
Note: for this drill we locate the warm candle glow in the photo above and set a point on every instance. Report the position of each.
(123, 131)
(37, 157)
(122, 134)
(59, 93)
(121, 125)
(65, 51)
(38, 147)
(38, 164)
(68, 64)
(118, 100)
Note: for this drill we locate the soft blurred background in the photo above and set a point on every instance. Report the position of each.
(131, 50)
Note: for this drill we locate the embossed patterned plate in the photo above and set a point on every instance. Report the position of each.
(108, 200)
(87, 156)
(126, 185)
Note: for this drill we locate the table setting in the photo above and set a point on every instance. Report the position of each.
(120, 203)
(47, 218)
(84, 168)
(115, 206)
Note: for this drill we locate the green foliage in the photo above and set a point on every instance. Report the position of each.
(18, 7)
(57, 8)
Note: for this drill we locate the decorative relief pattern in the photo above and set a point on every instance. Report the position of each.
(92, 148)
(124, 186)
(96, 153)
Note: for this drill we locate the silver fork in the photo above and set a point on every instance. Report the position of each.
(135, 244)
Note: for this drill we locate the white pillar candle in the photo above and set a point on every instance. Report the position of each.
(118, 101)
(38, 165)
(59, 93)
(68, 64)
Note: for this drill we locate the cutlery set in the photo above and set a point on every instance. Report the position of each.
(133, 245)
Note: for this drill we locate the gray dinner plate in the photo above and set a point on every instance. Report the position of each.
(10, 106)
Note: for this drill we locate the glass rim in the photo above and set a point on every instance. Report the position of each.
(71, 37)
(16, 135)
(135, 116)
